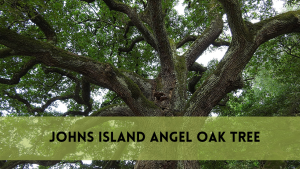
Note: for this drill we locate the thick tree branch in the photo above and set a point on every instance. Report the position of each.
(49, 102)
(43, 107)
(220, 43)
(145, 85)
(193, 82)
(6, 52)
(163, 43)
(102, 74)
(145, 16)
(234, 16)
(61, 72)
(213, 90)
(104, 104)
(128, 25)
(84, 88)
(9, 52)
(114, 110)
(200, 45)
(227, 76)
(186, 39)
(17, 43)
(135, 19)
(20, 99)
(281, 24)
(17, 76)
(223, 101)
(38, 19)
(199, 70)
(43, 25)
(77, 97)
(128, 49)
(190, 38)
(77, 113)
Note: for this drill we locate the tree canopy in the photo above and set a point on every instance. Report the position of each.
(144, 53)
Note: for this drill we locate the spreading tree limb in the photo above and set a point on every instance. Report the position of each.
(39, 20)
(275, 26)
(163, 44)
(128, 25)
(199, 70)
(17, 76)
(135, 19)
(40, 109)
(114, 110)
(102, 74)
(191, 38)
(220, 42)
(227, 76)
(7, 52)
(134, 41)
(84, 87)
(61, 72)
(188, 38)
(202, 42)
(234, 16)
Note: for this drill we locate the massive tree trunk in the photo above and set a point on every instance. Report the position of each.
(166, 95)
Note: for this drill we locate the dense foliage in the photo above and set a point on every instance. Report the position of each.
(93, 55)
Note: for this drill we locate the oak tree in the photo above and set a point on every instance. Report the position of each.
(143, 52)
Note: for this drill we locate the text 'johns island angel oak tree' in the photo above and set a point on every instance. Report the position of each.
(66, 50)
